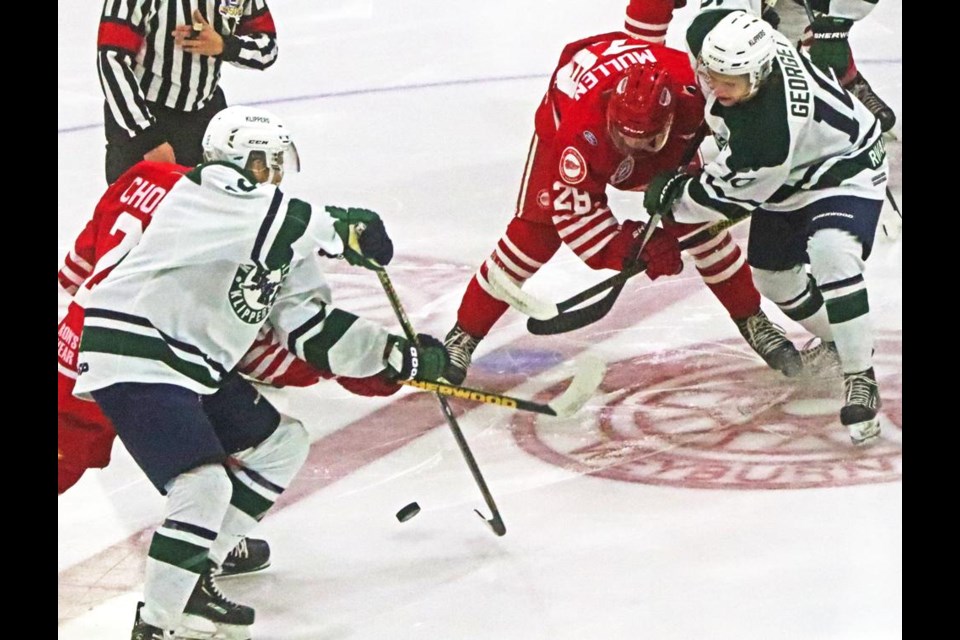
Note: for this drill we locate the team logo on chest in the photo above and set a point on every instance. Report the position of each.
(623, 171)
(254, 290)
(231, 9)
(573, 168)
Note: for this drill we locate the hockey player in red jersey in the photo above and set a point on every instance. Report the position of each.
(617, 111)
(648, 20)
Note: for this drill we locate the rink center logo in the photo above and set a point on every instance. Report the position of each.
(253, 292)
(677, 419)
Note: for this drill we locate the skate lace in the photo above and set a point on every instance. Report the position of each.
(241, 550)
(823, 354)
(861, 389)
(864, 93)
(213, 590)
(763, 335)
(460, 346)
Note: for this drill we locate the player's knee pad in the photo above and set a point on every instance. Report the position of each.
(279, 457)
(780, 286)
(835, 256)
(200, 497)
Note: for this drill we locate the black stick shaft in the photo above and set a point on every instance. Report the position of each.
(496, 521)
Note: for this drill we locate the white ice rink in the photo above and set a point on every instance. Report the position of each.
(699, 495)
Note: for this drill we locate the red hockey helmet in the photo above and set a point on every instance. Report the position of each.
(641, 110)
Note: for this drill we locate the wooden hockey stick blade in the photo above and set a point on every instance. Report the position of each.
(590, 373)
(585, 381)
(506, 290)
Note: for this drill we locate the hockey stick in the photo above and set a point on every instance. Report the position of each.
(589, 374)
(566, 322)
(505, 289)
(495, 521)
(569, 318)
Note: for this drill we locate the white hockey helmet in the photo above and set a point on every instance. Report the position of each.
(740, 44)
(236, 133)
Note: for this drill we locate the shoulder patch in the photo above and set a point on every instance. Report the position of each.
(573, 168)
(623, 171)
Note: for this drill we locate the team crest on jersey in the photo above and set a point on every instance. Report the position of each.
(591, 138)
(254, 290)
(573, 168)
(232, 9)
(623, 171)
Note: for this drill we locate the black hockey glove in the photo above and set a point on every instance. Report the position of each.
(663, 191)
(365, 239)
(830, 48)
(406, 361)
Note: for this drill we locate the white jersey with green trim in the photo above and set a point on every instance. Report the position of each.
(222, 257)
(800, 139)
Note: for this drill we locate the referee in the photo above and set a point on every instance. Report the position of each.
(159, 64)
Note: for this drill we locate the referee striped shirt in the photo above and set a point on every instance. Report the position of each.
(138, 62)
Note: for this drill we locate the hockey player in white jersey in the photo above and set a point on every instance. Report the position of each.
(808, 161)
(228, 254)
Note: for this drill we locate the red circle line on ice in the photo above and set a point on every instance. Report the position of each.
(684, 420)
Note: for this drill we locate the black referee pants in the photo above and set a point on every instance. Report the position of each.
(182, 129)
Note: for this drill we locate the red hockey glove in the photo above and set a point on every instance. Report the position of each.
(662, 253)
(377, 385)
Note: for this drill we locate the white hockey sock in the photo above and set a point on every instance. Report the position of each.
(197, 502)
(263, 474)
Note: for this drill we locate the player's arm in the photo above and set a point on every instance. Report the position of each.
(254, 45)
(329, 338)
(584, 222)
(119, 38)
(748, 171)
(269, 362)
(79, 262)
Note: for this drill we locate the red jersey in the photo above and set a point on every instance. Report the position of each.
(573, 114)
(574, 159)
(119, 220)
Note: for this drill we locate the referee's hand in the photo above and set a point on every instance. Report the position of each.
(198, 38)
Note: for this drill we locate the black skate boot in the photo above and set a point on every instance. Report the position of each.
(862, 90)
(860, 407)
(144, 631)
(460, 346)
(768, 340)
(250, 554)
(821, 358)
(209, 614)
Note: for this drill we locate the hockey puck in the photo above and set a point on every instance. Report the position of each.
(408, 512)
